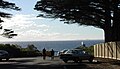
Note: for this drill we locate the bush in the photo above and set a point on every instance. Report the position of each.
(17, 51)
(89, 49)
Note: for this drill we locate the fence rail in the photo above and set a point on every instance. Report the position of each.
(107, 50)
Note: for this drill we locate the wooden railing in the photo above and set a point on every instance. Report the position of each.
(107, 50)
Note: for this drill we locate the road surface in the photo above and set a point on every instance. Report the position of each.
(39, 63)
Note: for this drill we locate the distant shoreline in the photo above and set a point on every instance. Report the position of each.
(56, 45)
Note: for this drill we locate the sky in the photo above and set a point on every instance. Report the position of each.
(32, 28)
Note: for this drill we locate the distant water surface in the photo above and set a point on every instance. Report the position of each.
(56, 45)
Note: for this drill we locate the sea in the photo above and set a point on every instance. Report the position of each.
(56, 45)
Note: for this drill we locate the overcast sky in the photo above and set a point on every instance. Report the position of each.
(30, 28)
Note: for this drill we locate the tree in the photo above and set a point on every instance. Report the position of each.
(32, 48)
(103, 14)
(7, 5)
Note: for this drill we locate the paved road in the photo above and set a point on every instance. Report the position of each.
(39, 63)
(32, 61)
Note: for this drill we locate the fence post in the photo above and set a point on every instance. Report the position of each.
(116, 49)
(95, 51)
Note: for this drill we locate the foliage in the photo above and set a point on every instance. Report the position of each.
(89, 49)
(31, 47)
(12, 49)
(30, 50)
(104, 14)
(18, 51)
(7, 5)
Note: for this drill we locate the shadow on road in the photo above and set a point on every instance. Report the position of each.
(38, 63)
(13, 66)
(26, 60)
(19, 64)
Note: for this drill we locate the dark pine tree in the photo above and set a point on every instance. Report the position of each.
(7, 5)
(103, 14)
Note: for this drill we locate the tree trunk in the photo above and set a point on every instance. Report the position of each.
(116, 27)
(107, 27)
(108, 35)
(116, 24)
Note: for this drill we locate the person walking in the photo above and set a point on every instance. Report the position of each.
(52, 54)
(44, 53)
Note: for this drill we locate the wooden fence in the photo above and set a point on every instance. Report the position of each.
(107, 50)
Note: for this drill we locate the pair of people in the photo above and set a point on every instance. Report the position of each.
(51, 52)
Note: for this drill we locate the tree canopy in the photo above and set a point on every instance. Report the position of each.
(104, 14)
(7, 5)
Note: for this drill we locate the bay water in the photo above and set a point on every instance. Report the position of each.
(56, 45)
